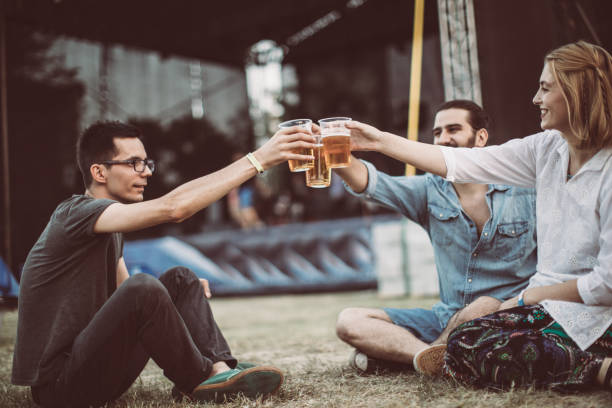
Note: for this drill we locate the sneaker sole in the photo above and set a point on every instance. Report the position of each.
(252, 383)
(430, 361)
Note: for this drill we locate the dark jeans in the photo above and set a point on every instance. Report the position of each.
(168, 320)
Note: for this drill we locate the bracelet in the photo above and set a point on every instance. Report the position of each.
(521, 298)
(255, 163)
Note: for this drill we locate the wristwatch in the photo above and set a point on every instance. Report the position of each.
(521, 298)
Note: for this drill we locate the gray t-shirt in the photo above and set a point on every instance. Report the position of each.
(68, 275)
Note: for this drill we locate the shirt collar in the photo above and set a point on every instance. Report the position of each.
(448, 187)
(595, 163)
(498, 187)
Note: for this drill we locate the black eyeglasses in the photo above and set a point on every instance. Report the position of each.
(138, 164)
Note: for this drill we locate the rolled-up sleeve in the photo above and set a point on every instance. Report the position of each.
(512, 163)
(372, 182)
(407, 195)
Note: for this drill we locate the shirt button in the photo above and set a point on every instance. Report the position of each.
(486, 234)
(441, 215)
(475, 253)
(513, 231)
(470, 280)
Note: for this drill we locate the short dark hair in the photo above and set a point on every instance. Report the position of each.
(477, 117)
(96, 144)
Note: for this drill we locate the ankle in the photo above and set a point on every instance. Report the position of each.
(218, 368)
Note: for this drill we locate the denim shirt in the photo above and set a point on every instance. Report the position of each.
(496, 263)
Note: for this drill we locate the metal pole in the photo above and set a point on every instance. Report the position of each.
(5, 141)
(460, 69)
(416, 65)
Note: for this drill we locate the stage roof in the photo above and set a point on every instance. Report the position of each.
(221, 31)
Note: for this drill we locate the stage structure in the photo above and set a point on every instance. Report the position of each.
(460, 69)
(370, 66)
(348, 254)
(294, 258)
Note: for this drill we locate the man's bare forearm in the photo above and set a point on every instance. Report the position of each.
(195, 195)
(356, 175)
(178, 204)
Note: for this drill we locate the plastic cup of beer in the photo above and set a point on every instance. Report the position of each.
(299, 165)
(336, 141)
(319, 176)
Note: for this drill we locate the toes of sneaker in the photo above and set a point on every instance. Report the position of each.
(430, 361)
(358, 361)
(252, 383)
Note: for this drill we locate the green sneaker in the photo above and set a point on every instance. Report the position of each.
(178, 396)
(251, 382)
(244, 365)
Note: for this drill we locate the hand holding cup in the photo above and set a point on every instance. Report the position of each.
(299, 165)
(364, 137)
(284, 145)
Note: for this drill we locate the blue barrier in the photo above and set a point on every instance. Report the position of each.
(9, 288)
(313, 257)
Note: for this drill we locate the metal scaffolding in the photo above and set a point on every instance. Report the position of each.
(460, 69)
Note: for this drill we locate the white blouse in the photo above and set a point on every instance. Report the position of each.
(574, 220)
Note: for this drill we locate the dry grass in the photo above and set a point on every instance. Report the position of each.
(296, 333)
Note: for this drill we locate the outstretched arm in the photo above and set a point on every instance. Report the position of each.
(195, 195)
(423, 156)
(512, 163)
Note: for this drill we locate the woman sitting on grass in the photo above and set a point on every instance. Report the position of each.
(556, 333)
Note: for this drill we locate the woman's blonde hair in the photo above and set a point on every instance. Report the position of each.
(584, 73)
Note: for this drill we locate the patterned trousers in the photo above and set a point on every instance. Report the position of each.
(522, 347)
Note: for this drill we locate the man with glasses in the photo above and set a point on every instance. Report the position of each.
(85, 331)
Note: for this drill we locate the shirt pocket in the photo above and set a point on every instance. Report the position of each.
(442, 224)
(510, 240)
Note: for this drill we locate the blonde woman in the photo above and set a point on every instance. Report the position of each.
(556, 333)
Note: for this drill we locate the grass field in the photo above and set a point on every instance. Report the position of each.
(296, 333)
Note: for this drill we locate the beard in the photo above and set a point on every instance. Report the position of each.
(471, 142)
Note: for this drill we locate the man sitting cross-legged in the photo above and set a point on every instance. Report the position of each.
(484, 244)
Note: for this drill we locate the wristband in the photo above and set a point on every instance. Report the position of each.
(255, 163)
(521, 298)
